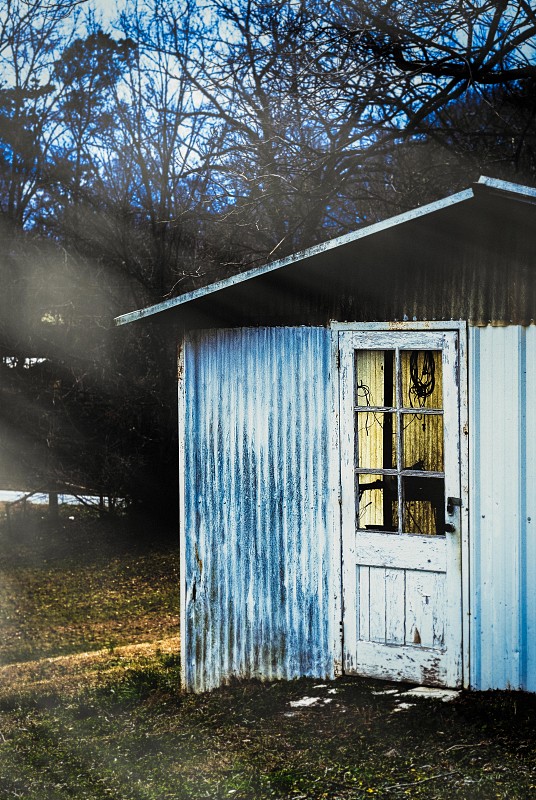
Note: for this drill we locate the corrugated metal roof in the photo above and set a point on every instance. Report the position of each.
(332, 244)
(468, 256)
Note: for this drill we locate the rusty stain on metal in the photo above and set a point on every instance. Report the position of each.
(198, 560)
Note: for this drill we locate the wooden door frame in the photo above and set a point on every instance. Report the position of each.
(336, 483)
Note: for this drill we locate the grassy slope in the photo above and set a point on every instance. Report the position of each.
(82, 584)
(112, 723)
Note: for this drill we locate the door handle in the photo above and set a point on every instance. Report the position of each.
(450, 528)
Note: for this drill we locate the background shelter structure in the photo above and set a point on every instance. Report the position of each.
(358, 454)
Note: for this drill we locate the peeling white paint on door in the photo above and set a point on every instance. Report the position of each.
(400, 464)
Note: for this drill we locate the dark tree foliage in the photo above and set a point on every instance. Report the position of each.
(89, 70)
(461, 73)
(182, 144)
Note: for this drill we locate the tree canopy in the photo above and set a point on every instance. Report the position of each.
(149, 152)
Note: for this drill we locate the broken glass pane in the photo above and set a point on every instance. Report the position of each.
(377, 502)
(424, 505)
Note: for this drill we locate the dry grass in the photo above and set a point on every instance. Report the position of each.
(83, 584)
(72, 675)
(86, 714)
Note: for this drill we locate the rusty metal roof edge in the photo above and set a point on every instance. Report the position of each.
(331, 244)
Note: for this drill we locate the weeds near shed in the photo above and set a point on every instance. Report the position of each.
(149, 679)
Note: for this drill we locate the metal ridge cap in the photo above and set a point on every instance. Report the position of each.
(495, 185)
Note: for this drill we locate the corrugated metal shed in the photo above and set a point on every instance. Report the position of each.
(503, 507)
(258, 540)
(260, 480)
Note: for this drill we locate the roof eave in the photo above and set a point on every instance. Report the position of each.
(361, 233)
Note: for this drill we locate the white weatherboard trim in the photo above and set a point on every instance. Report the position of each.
(402, 325)
(383, 662)
(335, 504)
(507, 186)
(182, 527)
(463, 378)
(347, 458)
(324, 247)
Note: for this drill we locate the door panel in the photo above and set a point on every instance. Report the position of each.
(399, 406)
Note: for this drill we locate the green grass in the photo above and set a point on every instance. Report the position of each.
(137, 737)
(115, 725)
(82, 585)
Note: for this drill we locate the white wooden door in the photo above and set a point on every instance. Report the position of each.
(400, 480)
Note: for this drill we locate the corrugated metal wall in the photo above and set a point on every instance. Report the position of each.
(257, 535)
(260, 554)
(502, 398)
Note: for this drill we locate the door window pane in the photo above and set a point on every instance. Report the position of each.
(408, 437)
(422, 379)
(376, 440)
(424, 505)
(422, 442)
(375, 378)
(377, 502)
